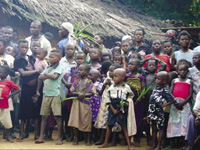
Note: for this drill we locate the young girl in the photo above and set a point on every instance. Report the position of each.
(80, 115)
(40, 63)
(181, 89)
(136, 83)
(95, 56)
(167, 48)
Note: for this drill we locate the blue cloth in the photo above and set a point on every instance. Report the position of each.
(63, 42)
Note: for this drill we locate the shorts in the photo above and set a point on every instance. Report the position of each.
(5, 118)
(50, 103)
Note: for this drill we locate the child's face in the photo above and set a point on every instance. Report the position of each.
(10, 51)
(93, 75)
(41, 55)
(70, 50)
(2, 48)
(81, 71)
(125, 46)
(132, 65)
(111, 70)
(23, 48)
(196, 59)
(80, 59)
(182, 70)
(106, 58)
(160, 80)
(184, 41)
(94, 54)
(117, 60)
(53, 58)
(138, 36)
(117, 77)
(152, 66)
(156, 46)
(116, 51)
(167, 47)
(35, 45)
(98, 39)
(7, 34)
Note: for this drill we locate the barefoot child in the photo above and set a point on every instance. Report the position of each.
(156, 104)
(51, 77)
(80, 115)
(118, 93)
(5, 88)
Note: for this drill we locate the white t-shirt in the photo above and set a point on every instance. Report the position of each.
(197, 103)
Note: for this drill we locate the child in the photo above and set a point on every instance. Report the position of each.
(116, 50)
(10, 51)
(125, 48)
(117, 59)
(51, 77)
(156, 47)
(119, 92)
(35, 45)
(40, 63)
(80, 115)
(181, 89)
(106, 57)
(5, 87)
(102, 117)
(136, 83)
(167, 48)
(184, 52)
(95, 55)
(156, 104)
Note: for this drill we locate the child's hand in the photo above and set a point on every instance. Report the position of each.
(81, 96)
(107, 82)
(37, 93)
(115, 111)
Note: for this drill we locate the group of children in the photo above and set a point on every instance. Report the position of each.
(101, 92)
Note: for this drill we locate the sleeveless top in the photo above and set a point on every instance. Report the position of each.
(181, 55)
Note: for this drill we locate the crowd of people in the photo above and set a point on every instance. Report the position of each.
(89, 92)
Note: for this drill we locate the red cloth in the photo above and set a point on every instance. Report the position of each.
(181, 90)
(5, 88)
(163, 57)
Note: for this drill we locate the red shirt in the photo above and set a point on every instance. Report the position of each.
(162, 57)
(5, 88)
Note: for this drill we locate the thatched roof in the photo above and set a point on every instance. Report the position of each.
(109, 18)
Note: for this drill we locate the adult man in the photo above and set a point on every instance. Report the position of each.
(66, 33)
(35, 30)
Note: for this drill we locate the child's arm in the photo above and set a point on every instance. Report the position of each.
(52, 76)
(113, 109)
(15, 92)
(173, 62)
(27, 73)
(68, 85)
(162, 64)
(167, 104)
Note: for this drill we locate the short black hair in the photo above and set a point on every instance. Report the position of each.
(117, 55)
(101, 36)
(8, 27)
(87, 67)
(22, 41)
(184, 62)
(56, 51)
(166, 41)
(116, 66)
(3, 41)
(106, 54)
(184, 33)
(140, 30)
(80, 53)
(137, 61)
(43, 50)
(8, 70)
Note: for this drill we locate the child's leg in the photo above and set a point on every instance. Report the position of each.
(59, 125)
(42, 130)
(21, 135)
(101, 140)
(154, 135)
(127, 138)
(113, 142)
(160, 139)
(36, 129)
(88, 143)
(7, 135)
(105, 144)
(75, 130)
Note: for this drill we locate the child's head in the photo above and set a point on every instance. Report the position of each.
(125, 46)
(135, 55)
(70, 50)
(10, 51)
(116, 50)
(2, 46)
(119, 75)
(171, 35)
(83, 70)
(156, 46)
(162, 78)
(41, 53)
(35, 45)
(54, 57)
(117, 59)
(106, 57)
(23, 47)
(196, 59)
(184, 39)
(139, 35)
(182, 69)
(94, 75)
(95, 54)
(152, 65)
(80, 58)
(5, 71)
(133, 64)
(118, 43)
(167, 47)
(112, 68)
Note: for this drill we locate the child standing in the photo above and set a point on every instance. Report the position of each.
(95, 55)
(167, 48)
(181, 89)
(80, 115)
(5, 88)
(119, 92)
(51, 77)
(156, 104)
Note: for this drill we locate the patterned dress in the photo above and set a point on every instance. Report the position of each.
(178, 118)
(157, 99)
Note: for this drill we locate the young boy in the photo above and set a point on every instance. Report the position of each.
(117, 98)
(35, 45)
(5, 88)
(51, 77)
(156, 104)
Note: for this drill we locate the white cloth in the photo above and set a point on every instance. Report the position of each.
(197, 103)
(196, 49)
(8, 58)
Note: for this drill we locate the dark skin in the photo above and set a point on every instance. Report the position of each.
(94, 57)
(138, 38)
(119, 75)
(167, 48)
(35, 29)
(69, 51)
(54, 59)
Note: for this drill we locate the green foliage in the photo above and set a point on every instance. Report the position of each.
(187, 11)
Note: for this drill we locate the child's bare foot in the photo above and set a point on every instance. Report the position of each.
(151, 148)
(9, 139)
(103, 146)
(129, 148)
(19, 139)
(36, 138)
(112, 144)
(39, 141)
(75, 142)
(88, 143)
(59, 142)
(99, 142)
